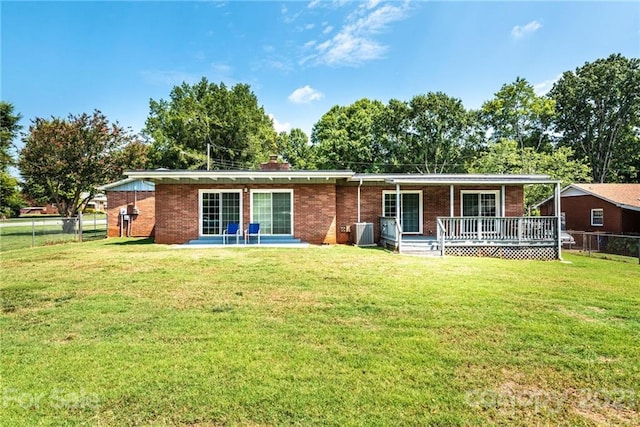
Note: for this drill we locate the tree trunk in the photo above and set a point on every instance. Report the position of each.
(68, 225)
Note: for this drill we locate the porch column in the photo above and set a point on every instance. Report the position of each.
(398, 206)
(557, 209)
(451, 200)
(503, 196)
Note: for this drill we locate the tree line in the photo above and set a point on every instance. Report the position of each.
(587, 128)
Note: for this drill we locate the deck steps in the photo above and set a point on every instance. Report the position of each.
(423, 247)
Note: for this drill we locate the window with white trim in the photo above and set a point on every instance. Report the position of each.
(410, 209)
(480, 203)
(597, 217)
(218, 209)
(273, 210)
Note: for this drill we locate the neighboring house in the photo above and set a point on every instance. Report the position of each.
(130, 207)
(97, 203)
(452, 214)
(49, 209)
(607, 208)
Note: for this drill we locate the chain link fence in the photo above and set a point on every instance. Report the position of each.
(602, 243)
(18, 233)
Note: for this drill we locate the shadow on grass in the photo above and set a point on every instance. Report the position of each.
(375, 249)
(130, 241)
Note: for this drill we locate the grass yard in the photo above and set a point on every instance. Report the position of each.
(119, 332)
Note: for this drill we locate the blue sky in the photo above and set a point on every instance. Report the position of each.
(300, 58)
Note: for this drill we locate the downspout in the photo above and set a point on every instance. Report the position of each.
(359, 185)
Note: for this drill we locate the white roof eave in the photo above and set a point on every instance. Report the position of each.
(238, 175)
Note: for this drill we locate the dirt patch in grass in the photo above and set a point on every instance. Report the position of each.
(617, 407)
(580, 316)
(610, 416)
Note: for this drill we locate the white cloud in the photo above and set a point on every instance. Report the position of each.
(280, 127)
(221, 68)
(355, 43)
(169, 78)
(543, 87)
(305, 95)
(327, 29)
(372, 3)
(310, 43)
(518, 32)
(313, 4)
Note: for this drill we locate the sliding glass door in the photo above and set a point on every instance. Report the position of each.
(410, 209)
(273, 210)
(218, 209)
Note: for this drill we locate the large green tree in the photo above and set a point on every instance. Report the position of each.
(427, 134)
(598, 115)
(63, 159)
(10, 197)
(295, 148)
(506, 157)
(346, 138)
(517, 113)
(239, 132)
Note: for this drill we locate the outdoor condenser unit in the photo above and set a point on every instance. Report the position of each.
(363, 234)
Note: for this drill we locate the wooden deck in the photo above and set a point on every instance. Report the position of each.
(507, 237)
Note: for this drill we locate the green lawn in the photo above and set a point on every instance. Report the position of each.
(120, 332)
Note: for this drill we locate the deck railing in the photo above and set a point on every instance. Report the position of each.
(508, 229)
(390, 230)
(441, 234)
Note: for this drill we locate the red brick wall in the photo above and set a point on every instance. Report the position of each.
(176, 213)
(578, 215)
(514, 203)
(577, 211)
(314, 213)
(630, 221)
(347, 208)
(142, 225)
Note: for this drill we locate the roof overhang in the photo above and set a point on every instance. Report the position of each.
(116, 184)
(236, 176)
(165, 176)
(455, 179)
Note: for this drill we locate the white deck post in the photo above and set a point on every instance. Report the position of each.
(558, 222)
(398, 222)
(451, 199)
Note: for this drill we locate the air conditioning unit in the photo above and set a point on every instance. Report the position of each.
(363, 234)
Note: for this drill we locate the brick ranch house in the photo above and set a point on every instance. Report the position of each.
(444, 214)
(606, 208)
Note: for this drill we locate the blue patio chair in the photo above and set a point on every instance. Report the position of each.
(253, 230)
(233, 228)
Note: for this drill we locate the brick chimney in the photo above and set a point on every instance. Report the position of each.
(274, 165)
